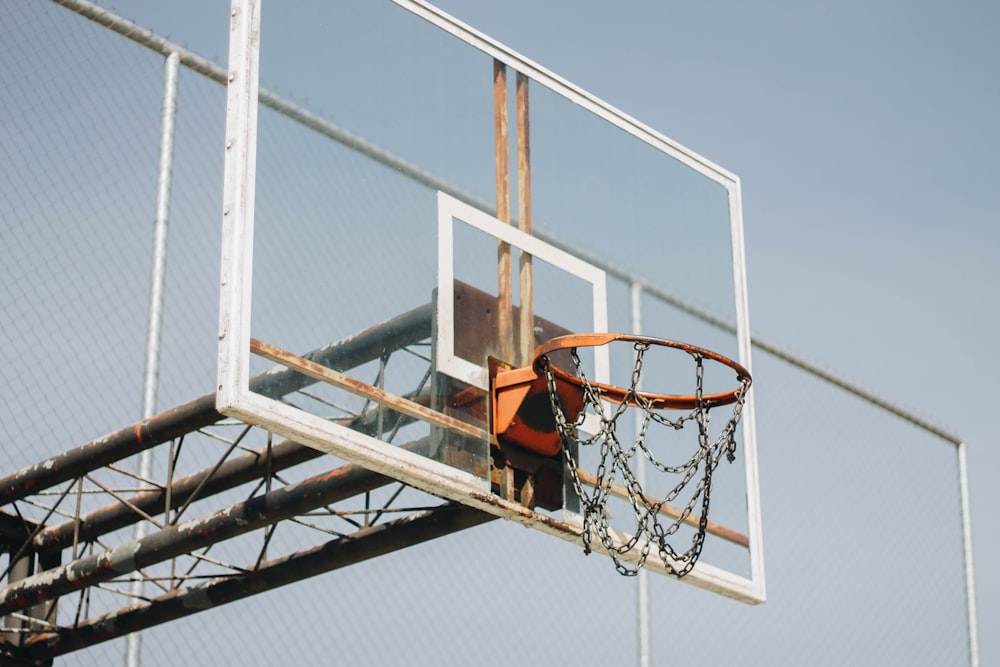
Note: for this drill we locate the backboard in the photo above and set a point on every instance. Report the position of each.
(419, 202)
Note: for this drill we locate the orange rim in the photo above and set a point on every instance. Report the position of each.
(618, 394)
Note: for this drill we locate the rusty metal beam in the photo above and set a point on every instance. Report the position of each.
(394, 334)
(505, 305)
(237, 519)
(355, 350)
(11, 656)
(395, 403)
(365, 544)
(118, 445)
(526, 290)
(233, 472)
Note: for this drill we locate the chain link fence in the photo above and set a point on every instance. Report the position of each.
(859, 503)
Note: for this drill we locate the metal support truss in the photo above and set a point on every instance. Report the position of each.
(364, 544)
(368, 345)
(67, 576)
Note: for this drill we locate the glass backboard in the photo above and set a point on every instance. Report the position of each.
(407, 200)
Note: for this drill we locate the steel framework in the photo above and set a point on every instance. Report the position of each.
(69, 570)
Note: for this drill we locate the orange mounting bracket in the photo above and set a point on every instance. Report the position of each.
(521, 409)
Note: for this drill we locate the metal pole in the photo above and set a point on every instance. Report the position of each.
(642, 579)
(970, 579)
(505, 301)
(154, 330)
(161, 223)
(526, 290)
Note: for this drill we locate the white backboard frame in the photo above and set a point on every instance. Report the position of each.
(452, 211)
(235, 399)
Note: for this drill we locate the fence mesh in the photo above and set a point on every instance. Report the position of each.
(858, 505)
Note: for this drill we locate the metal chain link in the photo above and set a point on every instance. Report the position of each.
(613, 463)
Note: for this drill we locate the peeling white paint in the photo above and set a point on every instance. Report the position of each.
(48, 578)
(193, 524)
(122, 558)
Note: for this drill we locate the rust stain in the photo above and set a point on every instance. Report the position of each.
(95, 575)
(204, 531)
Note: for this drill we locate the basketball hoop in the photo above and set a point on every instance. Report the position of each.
(544, 408)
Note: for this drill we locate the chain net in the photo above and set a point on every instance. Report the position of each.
(615, 463)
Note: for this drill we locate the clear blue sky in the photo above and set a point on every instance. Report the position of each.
(865, 137)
